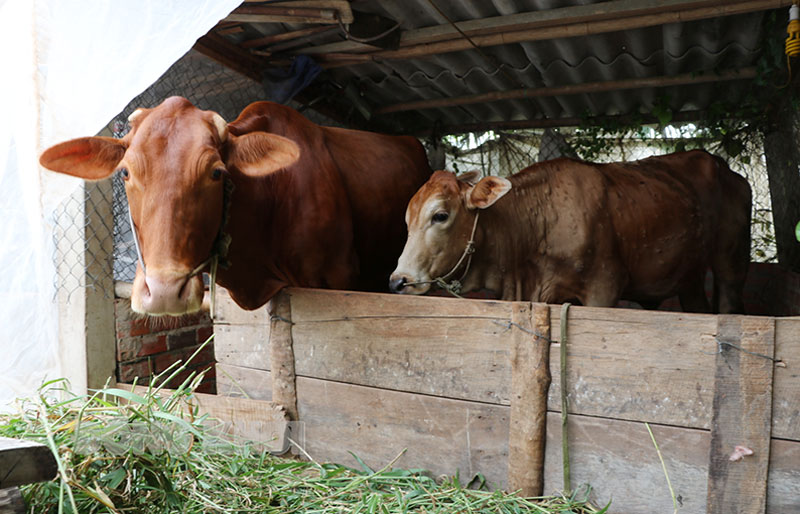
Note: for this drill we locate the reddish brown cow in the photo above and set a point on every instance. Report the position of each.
(566, 230)
(310, 206)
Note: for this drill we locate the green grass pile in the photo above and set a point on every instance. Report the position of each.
(119, 451)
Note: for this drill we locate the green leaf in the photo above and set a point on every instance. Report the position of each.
(114, 478)
(797, 231)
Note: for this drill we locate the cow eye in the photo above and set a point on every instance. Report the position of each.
(217, 173)
(124, 172)
(440, 217)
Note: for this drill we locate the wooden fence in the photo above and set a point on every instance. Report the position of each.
(374, 374)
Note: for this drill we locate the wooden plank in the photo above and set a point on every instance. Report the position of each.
(228, 313)
(442, 435)
(618, 460)
(786, 392)
(742, 414)
(309, 305)
(281, 354)
(24, 462)
(242, 345)
(258, 421)
(11, 501)
(305, 11)
(530, 380)
(242, 382)
(783, 484)
(463, 359)
(637, 365)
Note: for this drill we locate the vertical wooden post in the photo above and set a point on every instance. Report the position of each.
(742, 414)
(284, 390)
(530, 381)
(86, 296)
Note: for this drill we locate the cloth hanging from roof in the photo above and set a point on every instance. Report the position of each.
(281, 85)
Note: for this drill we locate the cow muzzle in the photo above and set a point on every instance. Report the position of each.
(404, 284)
(158, 294)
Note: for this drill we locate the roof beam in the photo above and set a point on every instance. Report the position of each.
(680, 116)
(613, 16)
(573, 89)
(519, 21)
(305, 11)
(286, 36)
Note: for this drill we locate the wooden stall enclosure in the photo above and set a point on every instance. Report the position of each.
(375, 374)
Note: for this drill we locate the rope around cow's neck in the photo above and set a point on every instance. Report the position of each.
(219, 249)
(454, 286)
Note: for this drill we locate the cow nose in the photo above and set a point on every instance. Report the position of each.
(397, 284)
(165, 295)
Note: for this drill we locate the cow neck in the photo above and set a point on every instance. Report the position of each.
(219, 248)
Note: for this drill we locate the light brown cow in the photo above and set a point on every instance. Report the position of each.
(566, 230)
(310, 206)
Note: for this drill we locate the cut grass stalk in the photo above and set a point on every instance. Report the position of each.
(664, 467)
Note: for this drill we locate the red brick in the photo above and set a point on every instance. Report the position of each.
(206, 356)
(188, 337)
(129, 371)
(207, 387)
(209, 369)
(128, 349)
(153, 344)
(139, 327)
(203, 333)
(165, 360)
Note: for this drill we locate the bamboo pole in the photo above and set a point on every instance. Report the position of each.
(568, 29)
(682, 116)
(572, 89)
(286, 36)
(525, 21)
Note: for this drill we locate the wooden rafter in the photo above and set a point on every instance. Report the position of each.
(613, 16)
(286, 36)
(574, 89)
(307, 11)
(681, 116)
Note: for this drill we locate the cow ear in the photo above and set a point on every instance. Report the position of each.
(469, 177)
(89, 158)
(258, 153)
(486, 192)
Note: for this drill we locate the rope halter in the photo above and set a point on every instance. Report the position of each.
(219, 248)
(454, 286)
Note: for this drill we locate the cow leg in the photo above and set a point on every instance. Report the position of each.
(693, 295)
(728, 297)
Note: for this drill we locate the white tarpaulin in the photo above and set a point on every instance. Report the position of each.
(68, 67)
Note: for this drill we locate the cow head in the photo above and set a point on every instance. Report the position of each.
(440, 219)
(174, 162)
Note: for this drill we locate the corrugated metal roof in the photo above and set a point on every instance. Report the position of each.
(704, 46)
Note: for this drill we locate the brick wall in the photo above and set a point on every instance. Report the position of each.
(148, 346)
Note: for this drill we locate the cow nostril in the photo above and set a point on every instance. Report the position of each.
(397, 284)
